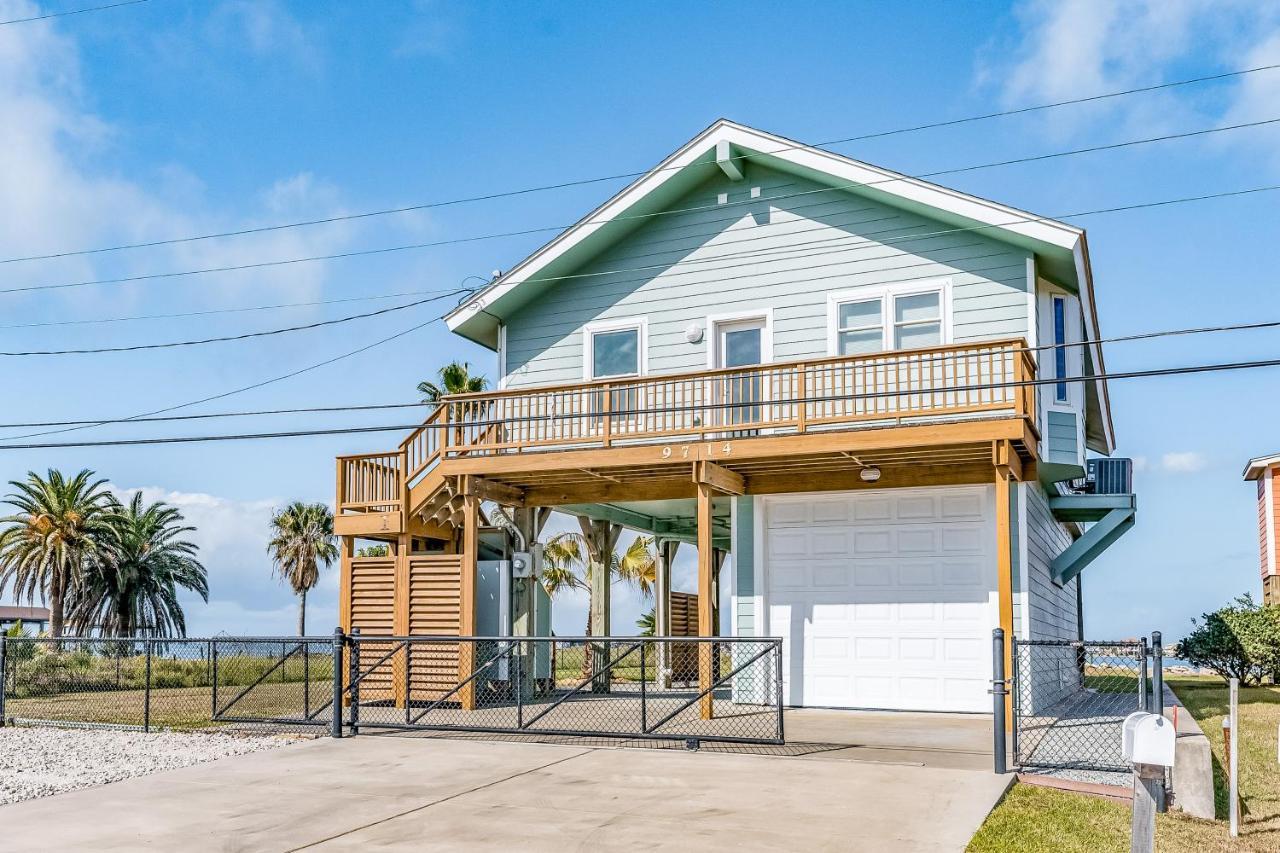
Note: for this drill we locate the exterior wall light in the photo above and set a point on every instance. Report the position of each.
(869, 474)
(693, 334)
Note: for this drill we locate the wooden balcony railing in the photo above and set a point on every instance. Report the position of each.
(939, 383)
(845, 392)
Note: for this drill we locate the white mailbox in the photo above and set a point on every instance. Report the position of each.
(1148, 739)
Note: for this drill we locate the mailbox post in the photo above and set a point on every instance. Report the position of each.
(1148, 744)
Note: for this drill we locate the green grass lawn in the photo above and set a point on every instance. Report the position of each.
(1031, 819)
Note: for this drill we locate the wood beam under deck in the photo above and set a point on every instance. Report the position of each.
(706, 609)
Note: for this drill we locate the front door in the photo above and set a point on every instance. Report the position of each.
(740, 344)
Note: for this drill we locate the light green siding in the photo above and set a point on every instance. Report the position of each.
(744, 564)
(793, 268)
(1060, 438)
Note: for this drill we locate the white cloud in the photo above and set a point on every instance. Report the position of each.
(1183, 462)
(245, 597)
(1071, 48)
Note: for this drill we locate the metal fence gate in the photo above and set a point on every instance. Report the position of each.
(1070, 700)
(671, 688)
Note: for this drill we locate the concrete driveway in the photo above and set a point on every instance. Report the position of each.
(412, 794)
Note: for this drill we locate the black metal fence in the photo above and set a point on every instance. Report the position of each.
(713, 689)
(685, 688)
(1070, 700)
(187, 683)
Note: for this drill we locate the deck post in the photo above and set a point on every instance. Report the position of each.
(706, 607)
(400, 617)
(467, 616)
(1001, 454)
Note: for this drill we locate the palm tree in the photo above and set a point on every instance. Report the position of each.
(564, 560)
(132, 587)
(302, 541)
(455, 378)
(61, 526)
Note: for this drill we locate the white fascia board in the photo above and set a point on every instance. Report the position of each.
(769, 146)
(1084, 275)
(1257, 467)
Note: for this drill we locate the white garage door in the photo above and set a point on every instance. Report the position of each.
(885, 599)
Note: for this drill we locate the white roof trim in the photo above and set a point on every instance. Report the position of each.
(853, 171)
(1254, 469)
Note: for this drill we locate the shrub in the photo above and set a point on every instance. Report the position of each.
(1258, 630)
(1232, 641)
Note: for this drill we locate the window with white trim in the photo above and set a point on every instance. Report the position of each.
(889, 321)
(1059, 348)
(615, 352)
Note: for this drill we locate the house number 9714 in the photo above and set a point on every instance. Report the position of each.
(683, 450)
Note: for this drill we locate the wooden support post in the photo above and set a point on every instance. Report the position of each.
(400, 617)
(346, 551)
(467, 616)
(1004, 565)
(706, 606)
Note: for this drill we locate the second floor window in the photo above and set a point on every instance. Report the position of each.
(615, 353)
(889, 322)
(1059, 348)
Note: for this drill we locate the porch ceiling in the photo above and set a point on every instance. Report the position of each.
(667, 490)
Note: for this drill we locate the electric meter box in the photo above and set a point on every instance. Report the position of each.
(1148, 739)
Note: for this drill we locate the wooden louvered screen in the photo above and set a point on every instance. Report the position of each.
(684, 623)
(373, 582)
(435, 599)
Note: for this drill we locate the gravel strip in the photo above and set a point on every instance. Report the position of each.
(37, 761)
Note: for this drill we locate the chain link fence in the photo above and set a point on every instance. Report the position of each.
(1070, 700)
(185, 683)
(715, 689)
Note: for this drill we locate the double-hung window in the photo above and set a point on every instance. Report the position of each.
(875, 321)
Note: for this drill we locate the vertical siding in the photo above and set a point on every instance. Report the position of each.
(792, 272)
(1051, 609)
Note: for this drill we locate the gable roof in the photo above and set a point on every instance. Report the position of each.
(1060, 249)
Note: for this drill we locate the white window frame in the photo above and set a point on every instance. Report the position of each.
(713, 335)
(887, 294)
(589, 331)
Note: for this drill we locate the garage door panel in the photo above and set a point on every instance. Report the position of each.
(883, 599)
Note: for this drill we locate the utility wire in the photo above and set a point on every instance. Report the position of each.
(891, 361)
(1133, 374)
(49, 15)
(626, 175)
(252, 386)
(645, 216)
(214, 311)
(223, 339)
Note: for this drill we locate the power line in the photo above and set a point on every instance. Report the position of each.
(251, 387)
(224, 338)
(889, 361)
(645, 216)
(1133, 374)
(69, 12)
(626, 175)
(214, 311)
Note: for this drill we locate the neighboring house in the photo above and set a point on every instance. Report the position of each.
(819, 368)
(1265, 470)
(34, 619)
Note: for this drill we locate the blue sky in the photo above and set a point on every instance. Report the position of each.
(180, 117)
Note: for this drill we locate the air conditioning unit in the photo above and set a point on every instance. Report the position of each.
(1106, 477)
